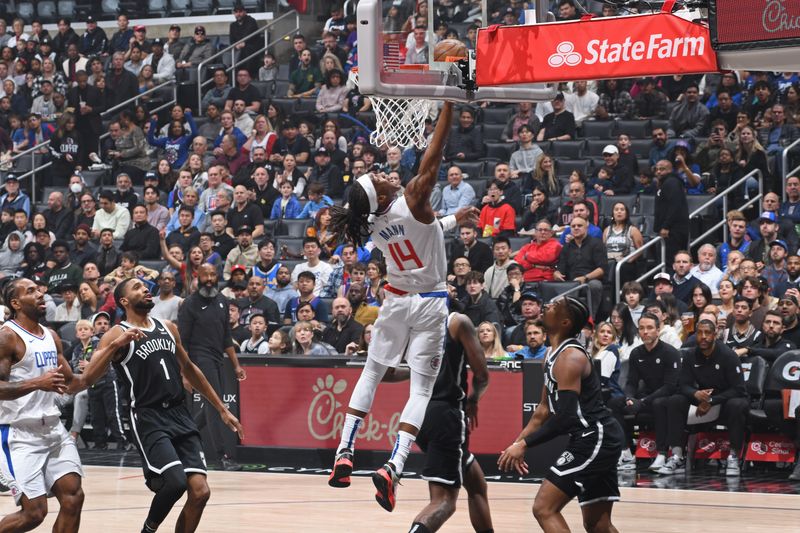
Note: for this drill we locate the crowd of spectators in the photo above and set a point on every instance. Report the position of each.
(244, 180)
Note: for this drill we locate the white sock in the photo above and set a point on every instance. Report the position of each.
(677, 451)
(661, 456)
(402, 447)
(626, 454)
(352, 423)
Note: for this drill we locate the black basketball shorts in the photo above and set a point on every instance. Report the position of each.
(444, 439)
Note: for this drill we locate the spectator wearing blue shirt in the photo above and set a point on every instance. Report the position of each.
(190, 200)
(581, 209)
(177, 143)
(14, 199)
(287, 206)
(791, 207)
(316, 201)
(534, 336)
(227, 120)
(456, 194)
(306, 282)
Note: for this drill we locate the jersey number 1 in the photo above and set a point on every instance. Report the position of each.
(400, 257)
(163, 364)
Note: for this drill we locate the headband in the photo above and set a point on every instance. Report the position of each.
(366, 183)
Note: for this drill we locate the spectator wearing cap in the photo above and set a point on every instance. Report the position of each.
(583, 259)
(81, 250)
(326, 173)
(465, 142)
(174, 44)
(559, 125)
(687, 170)
(139, 41)
(759, 251)
(291, 142)
(244, 90)
(527, 308)
(94, 41)
(775, 272)
(662, 284)
(789, 308)
(121, 39)
(163, 63)
(87, 104)
(620, 177)
(245, 253)
(64, 271)
(14, 198)
(770, 203)
(306, 79)
(65, 37)
(242, 26)
(197, 51)
(688, 119)
(44, 104)
(650, 102)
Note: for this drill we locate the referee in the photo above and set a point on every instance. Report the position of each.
(204, 325)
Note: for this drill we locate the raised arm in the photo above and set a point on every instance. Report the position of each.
(199, 382)
(418, 191)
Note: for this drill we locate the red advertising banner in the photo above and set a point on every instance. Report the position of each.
(712, 445)
(754, 21)
(293, 407)
(770, 447)
(600, 48)
(646, 445)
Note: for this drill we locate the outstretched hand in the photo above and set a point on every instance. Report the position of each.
(233, 423)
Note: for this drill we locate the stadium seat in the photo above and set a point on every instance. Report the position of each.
(492, 132)
(66, 8)
(595, 129)
(635, 129)
(545, 146)
(647, 204)
(294, 247)
(778, 379)
(205, 7)
(283, 72)
(594, 147)
(157, 8)
(659, 123)
(473, 169)
(519, 242)
(499, 150)
(46, 10)
(567, 149)
(269, 226)
(26, 10)
(551, 289)
(644, 165)
(154, 264)
(564, 167)
(495, 115)
(293, 227)
(641, 147)
(695, 201)
(607, 203)
(267, 89)
(67, 332)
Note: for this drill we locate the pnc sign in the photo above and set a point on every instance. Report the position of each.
(616, 47)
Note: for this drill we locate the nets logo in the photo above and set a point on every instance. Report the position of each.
(565, 55)
(565, 458)
(791, 372)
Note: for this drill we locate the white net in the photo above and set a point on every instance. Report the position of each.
(398, 121)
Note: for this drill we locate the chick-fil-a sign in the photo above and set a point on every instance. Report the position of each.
(754, 23)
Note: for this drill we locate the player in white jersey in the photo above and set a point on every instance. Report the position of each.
(411, 321)
(38, 456)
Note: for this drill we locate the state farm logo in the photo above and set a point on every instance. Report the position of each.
(603, 52)
(565, 55)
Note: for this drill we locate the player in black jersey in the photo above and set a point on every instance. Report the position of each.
(444, 435)
(571, 404)
(149, 358)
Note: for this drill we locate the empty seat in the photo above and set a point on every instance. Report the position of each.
(494, 115)
(492, 132)
(46, 10)
(635, 129)
(266, 88)
(473, 169)
(696, 201)
(66, 8)
(293, 227)
(641, 147)
(594, 147)
(26, 10)
(647, 204)
(567, 149)
(593, 129)
(499, 150)
(157, 7)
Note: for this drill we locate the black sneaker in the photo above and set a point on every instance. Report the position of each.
(229, 465)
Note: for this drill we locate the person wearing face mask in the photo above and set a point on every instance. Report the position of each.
(204, 323)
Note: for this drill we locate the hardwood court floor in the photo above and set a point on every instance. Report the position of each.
(117, 501)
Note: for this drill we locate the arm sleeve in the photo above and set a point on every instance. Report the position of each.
(559, 423)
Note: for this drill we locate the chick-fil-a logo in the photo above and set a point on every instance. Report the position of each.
(776, 17)
(326, 416)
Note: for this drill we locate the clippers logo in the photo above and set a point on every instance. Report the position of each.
(791, 372)
(436, 362)
(565, 55)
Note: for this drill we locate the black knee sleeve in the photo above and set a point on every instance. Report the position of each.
(169, 487)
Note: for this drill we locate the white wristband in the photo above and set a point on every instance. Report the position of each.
(448, 223)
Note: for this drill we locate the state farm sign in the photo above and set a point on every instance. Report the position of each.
(618, 47)
(745, 24)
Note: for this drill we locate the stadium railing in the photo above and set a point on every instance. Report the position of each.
(785, 165)
(660, 266)
(268, 42)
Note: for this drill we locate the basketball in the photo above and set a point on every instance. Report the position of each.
(449, 48)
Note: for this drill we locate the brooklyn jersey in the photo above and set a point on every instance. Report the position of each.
(150, 370)
(40, 357)
(590, 401)
(414, 252)
(451, 382)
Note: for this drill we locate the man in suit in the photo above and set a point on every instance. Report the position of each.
(87, 103)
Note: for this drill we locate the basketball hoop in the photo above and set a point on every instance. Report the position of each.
(398, 121)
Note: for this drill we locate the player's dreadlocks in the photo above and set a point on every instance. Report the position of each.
(9, 293)
(578, 313)
(352, 223)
